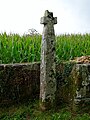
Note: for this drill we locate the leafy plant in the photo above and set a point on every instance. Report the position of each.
(18, 49)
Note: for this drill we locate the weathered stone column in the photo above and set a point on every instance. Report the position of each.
(47, 68)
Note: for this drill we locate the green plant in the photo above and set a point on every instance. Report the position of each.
(70, 46)
(31, 111)
(18, 49)
(83, 117)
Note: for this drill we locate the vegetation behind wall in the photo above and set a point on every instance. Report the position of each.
(27, 48)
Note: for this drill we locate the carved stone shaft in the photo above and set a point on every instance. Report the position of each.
(47, 68)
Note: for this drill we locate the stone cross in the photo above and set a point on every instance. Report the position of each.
(47, 67)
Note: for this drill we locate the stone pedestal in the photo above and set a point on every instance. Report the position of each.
(47, 68)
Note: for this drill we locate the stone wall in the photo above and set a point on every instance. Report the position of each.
(64, 92)
(80, 76)
(21, 82)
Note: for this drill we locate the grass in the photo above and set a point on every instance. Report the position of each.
(18, 49)
(33, 112)
(70, 46)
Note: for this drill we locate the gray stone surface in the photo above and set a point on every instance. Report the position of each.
(81, 78)
(47, 68)
(19, 83)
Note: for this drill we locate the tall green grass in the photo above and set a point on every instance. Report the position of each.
(18, 49)
(70, 46)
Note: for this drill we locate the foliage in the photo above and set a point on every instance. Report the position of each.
(18, 49)
(31, 111)
(70, 46)
(27, 48)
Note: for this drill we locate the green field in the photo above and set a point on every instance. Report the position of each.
(19, 49)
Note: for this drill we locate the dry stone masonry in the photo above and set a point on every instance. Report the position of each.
(47, 68)
(81, 82)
